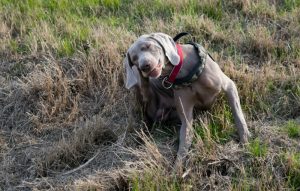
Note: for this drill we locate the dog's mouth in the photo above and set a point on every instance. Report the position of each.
(155, 72)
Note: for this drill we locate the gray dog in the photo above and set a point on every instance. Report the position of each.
(172, 79)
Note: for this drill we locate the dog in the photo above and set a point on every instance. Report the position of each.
(170, 82)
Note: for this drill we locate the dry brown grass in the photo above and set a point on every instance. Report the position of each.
(67, 122)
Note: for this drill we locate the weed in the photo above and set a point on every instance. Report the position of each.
(289, 5)
(292, 128)
(257, 148)
(66, 48)
(293, 170)
(111, 4)
(153, 181)
(213, 10)
(217, 127)
(18, 69)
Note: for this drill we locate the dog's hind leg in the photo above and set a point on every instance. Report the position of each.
(234, 101)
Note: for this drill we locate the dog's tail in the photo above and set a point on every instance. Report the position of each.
(180, 35)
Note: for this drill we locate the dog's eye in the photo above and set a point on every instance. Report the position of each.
(146, 46)
(134, 58)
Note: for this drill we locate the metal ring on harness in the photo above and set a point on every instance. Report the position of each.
(166, 84)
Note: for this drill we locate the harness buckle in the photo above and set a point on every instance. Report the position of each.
(166, 84)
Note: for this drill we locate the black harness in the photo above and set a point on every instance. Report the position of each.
(198, 68)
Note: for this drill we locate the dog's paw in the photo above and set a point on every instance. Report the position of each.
(244, 137)
(178, 166)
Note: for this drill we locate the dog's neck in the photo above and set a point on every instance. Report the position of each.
(190, 59)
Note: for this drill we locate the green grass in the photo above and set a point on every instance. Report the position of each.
(66, 48)
(218, 126)
(292, 128)
(215, 131)
(257, 148)
(213, 10)
(289, 5)
(293, 169)
(17, 70)
(154, 181)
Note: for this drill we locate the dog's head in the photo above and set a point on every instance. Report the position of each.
(149, 54)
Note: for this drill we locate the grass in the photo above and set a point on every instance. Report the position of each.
(257, 148)
(293, 166)
(63, 101)
(153, 182)
(293, 129)
(218, 127)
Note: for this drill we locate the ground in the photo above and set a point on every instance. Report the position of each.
(68, 123)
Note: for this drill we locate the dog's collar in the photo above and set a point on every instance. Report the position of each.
(193, 74)
(169, 80)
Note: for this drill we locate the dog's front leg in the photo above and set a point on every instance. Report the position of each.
(184, 105)
(145, 88)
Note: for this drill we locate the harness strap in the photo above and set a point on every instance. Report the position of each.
(195, 71)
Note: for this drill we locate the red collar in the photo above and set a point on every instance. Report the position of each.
(169, 80)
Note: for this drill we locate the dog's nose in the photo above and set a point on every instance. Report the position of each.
(145, 67)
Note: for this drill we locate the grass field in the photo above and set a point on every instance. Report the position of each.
(68, 123)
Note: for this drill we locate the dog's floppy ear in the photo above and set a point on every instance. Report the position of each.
(131, 79)
(168, 45)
